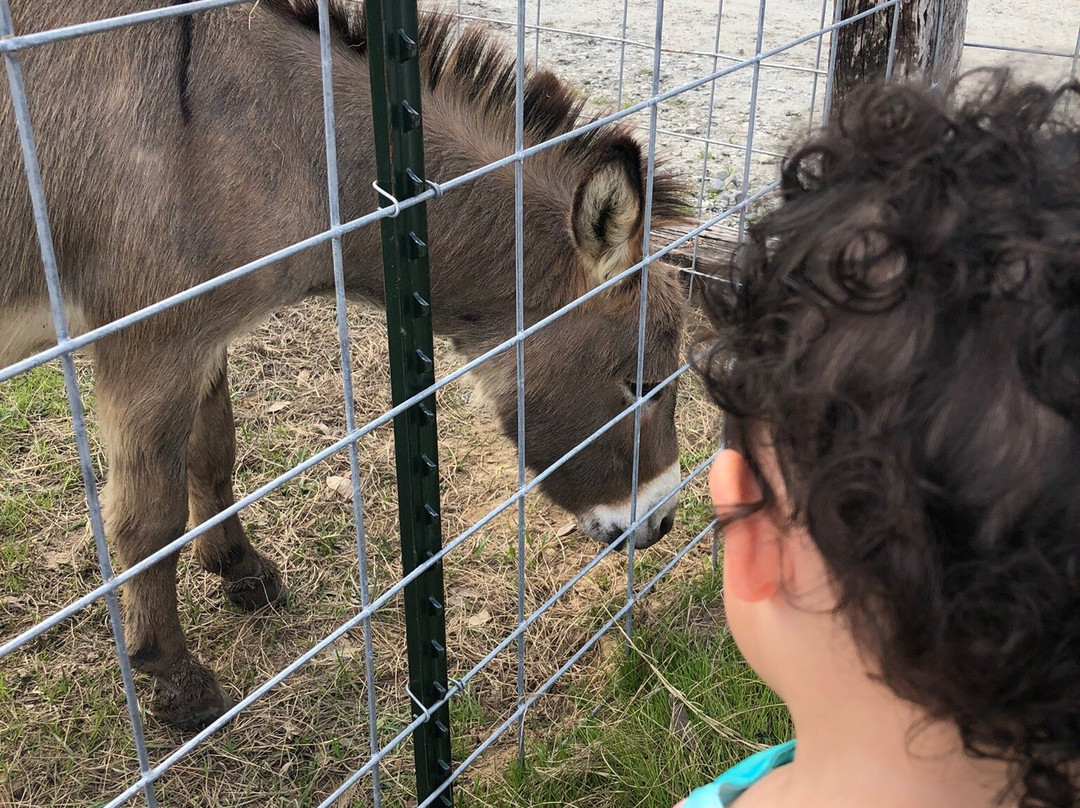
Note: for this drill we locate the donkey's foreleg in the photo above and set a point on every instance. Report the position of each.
(146, 407)
(249, 579)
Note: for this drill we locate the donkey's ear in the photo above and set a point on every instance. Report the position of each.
(608, 209)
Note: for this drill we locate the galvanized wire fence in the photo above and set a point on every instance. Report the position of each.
(730, 165)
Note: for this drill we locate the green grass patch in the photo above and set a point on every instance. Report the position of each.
(39, 470)
(681, 706)
(36, 394)
(696, 511)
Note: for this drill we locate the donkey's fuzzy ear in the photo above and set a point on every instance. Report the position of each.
(608, 207)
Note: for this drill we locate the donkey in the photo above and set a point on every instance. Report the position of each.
(174, 151)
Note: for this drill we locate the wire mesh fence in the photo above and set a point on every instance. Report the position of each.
(325, 700)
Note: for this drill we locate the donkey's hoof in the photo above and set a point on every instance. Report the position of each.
(189, 697)
(257, 590)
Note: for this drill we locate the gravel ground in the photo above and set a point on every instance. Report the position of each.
(577, 41)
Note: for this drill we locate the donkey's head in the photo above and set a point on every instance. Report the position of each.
(581, 369)
(584, 220)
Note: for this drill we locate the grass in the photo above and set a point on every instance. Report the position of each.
(39, 474)
(679, 706)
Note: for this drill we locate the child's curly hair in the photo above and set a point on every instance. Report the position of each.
(905, 326)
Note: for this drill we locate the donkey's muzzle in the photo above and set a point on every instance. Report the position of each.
(610, 524)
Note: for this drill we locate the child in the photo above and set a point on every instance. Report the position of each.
(898, 360)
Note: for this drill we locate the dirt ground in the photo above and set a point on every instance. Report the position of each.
(64, 738)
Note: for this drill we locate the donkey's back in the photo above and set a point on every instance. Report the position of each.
(162, 164)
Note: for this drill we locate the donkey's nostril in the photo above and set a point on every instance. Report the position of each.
(666, 524)
(615, 535)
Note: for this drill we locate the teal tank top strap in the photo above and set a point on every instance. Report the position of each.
(724, 789)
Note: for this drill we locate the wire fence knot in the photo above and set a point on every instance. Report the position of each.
(434, 186)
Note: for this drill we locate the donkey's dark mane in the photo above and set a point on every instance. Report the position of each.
(481, 71)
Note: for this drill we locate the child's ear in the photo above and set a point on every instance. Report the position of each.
(752, 544)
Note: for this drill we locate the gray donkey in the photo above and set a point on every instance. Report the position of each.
(174, 151)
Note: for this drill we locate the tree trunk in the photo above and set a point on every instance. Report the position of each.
(929, 41)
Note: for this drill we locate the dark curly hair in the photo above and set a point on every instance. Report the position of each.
(904, 326)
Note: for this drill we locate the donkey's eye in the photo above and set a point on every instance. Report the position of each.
(646, 388)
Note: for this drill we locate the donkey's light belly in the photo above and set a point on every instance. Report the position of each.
(28, 327)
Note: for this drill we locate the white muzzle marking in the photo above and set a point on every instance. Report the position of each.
(606, 522)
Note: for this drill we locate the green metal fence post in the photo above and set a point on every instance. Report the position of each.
(393, 48)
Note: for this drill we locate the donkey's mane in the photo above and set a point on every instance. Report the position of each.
(481, 72)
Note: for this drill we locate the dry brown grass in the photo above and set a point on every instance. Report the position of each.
(65, 734)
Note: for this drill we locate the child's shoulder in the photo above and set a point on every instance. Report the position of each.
(737, 780)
